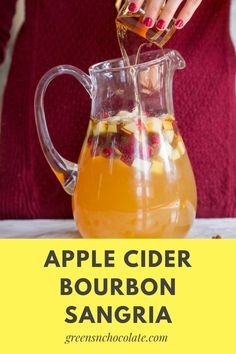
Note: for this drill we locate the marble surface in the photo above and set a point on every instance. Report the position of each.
(202, 228)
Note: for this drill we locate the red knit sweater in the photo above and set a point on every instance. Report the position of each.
(82, 33)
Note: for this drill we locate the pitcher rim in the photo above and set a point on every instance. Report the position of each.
(92, 68)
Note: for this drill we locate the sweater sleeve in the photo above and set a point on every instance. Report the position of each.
(7, 11)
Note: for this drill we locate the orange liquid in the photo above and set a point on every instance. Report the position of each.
(150, 194)
(134, 24)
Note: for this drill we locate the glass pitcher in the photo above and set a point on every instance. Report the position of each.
(133, 178)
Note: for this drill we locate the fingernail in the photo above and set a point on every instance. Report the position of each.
(147, 22)
(161, 24)
(132, 7)
(179, 23)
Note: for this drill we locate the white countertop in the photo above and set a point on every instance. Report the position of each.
(202, 228)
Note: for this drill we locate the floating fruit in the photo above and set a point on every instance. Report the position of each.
(154, 125)
(169, 117)
(127, 114)
(141, 165)
(107, 151)
(112, 128)
(181, 147)
(104, 115)
(165, 150)
(99, 128)
(136, 141)
(127, 159)
(169, 135)
(154, 139)
(131, 127)
(167, 125)
(128, 149)
(117, 152)
(175, 155)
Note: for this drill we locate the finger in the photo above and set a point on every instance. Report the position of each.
(151, 12)
(167, 14)
(186, 13)
(135, 5)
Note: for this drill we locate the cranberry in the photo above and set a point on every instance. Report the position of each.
(154, 140)
(128, 149)
(107, 151)
(104, 115)
(127, 159)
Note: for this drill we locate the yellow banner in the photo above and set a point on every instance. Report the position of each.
(119, 296)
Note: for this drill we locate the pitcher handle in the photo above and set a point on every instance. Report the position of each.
(66, 171)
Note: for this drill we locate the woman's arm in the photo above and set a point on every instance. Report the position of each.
(7, 11)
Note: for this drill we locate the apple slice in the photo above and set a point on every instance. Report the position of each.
(169, 135)
(99, 128)
(170, 117)
(117, 152)
(112, 128)
(167, 125)
(181, 147)
(175, 155)
(131, 127)
(157, 167)
(141, 165)
(165, 150)
(154, 125)
(126, 114)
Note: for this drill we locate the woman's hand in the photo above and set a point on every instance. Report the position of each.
(153, 9)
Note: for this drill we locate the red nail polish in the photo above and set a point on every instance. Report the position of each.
(161, 24)
(147, 22)
(132, 7)
(179, 24)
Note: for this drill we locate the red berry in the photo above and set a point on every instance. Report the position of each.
(127, 159)
(104, 115)
(107, 151)
(128, 149)
(155, 140)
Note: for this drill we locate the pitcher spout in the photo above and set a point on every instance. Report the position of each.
(177, 59)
